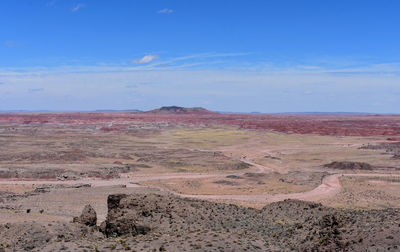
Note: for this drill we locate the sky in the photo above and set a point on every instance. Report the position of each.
(266, 56)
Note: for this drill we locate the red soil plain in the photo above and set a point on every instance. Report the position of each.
(319, 124)
(199, 180)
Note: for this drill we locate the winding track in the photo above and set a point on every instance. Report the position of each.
(329, 187)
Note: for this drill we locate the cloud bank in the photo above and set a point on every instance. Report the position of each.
(372, 88)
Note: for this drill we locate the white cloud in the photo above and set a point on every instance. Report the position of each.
(165, 11)
(146, 59)
(197, 59)
(78, 7)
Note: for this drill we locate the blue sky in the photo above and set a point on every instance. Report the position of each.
(259, 55)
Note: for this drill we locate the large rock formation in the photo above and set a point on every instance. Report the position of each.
(88, 216)
(122, 221)
(285, 225)
(138, 214)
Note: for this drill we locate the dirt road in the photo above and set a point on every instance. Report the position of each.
(258, 168)
(329, 187)
(128, 180)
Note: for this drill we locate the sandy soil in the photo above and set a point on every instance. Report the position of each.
(329, 187)
(139, 152)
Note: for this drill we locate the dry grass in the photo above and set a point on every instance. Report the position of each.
(307, 151)
(187, 149)
(90, 151)
(18, 189)
(367, 192)
(208, 138)
(246, 184)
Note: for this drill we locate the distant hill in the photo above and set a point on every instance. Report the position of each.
(180, 110)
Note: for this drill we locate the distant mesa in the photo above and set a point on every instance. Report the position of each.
(180, 110)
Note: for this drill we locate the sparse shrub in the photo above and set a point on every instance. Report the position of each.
(197, 246)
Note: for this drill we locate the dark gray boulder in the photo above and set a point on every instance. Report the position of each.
(88, 216)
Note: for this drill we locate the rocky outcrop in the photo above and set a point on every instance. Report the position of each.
(121, 221)
(285, 225)
(170, 223)
(140, 214)
(347, 165)
(88, 217)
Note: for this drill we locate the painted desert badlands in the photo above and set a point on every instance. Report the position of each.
(188, 179)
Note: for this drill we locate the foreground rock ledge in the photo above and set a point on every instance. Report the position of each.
(145, 221)
(287, 224)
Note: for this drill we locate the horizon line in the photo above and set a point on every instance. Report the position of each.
(23, 111)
